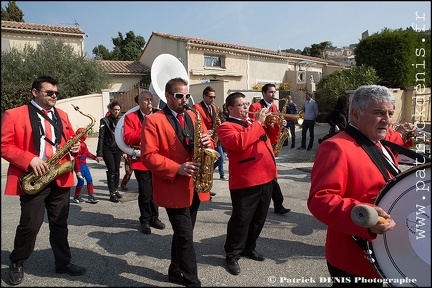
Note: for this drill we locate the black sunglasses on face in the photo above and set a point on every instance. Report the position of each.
(181, 95)
(50, 93)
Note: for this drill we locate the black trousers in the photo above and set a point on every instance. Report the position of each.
(149, 211)
(308, 125)
(291, 126)
(183, 256)
(56, 201)
(249, 212)
(112, 161)
(277, 196)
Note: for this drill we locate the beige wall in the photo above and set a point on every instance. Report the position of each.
(94, 104)
(19, 40)
(242, 69)
(122, 84)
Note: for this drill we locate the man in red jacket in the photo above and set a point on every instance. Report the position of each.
(167, 150)
(268, 92)
(149, 211)
(208, 112)
(344, 175)
(252, 167)
(28, 138)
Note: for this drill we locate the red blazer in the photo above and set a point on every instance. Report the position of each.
(251, 160)
(132, 136)
(162, 153)
(17, 147)
(342, 177)
(206, 118)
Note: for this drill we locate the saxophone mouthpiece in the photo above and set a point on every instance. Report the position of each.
(75, 107)
(185, 106)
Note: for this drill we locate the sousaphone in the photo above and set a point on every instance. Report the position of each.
(164, 68)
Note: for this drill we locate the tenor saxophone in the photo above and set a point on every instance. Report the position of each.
(203, 179)
(283, 132)
(32, 184)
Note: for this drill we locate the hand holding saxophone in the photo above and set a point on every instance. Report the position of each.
(188, 169)
(38, 166)
(206, 139)
(75, 148)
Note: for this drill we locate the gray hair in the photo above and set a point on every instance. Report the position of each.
(364, 95)
(144, 92)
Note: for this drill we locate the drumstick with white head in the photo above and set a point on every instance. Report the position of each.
(366, 216)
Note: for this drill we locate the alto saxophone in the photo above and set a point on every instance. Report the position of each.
(32, 184)
(203, 179)
(215, 126)
(283, 132)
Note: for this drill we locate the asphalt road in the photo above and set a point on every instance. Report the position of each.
(104, 237)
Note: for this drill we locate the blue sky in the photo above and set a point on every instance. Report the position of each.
(261, 24)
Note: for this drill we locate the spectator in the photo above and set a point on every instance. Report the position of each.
(311, 112)
(82, 171)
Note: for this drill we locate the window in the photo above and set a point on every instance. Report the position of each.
(212, 61)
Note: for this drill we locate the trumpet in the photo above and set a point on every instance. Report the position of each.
(284, 115)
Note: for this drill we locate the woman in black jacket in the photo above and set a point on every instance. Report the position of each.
(338, 118)
(108, 150)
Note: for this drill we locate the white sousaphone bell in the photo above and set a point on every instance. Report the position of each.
(164, 68)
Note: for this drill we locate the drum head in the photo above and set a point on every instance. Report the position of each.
(405, 251)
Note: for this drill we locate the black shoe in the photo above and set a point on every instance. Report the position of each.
(292, 147)
(16, 273)
(118, 195)
(145, 228)
(309, 149)
(177, 279)
(282, 211)
(212, 194)
(113, 198)
(301, 148)
(72, 270)
(157, 224)
(233, 266)
(254, 255)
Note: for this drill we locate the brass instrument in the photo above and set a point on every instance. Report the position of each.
(203, 179)
(215, 126)
(283, 132)
(32, 184)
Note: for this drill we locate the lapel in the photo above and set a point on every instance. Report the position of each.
(239, 122)
(180, 132)
(36, 127)
(371, 149)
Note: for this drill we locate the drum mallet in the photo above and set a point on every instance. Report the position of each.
(366, 216)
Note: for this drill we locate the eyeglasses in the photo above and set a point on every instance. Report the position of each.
(181, 95)
(50, 93)
(212, 97)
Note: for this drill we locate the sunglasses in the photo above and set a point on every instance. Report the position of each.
(181, 95)
(50, 93)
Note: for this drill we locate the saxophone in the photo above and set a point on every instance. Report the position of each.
(203, 179)
(283, 132)
(32, 184)
(215, 126)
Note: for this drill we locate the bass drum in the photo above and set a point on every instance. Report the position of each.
(404, 253)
